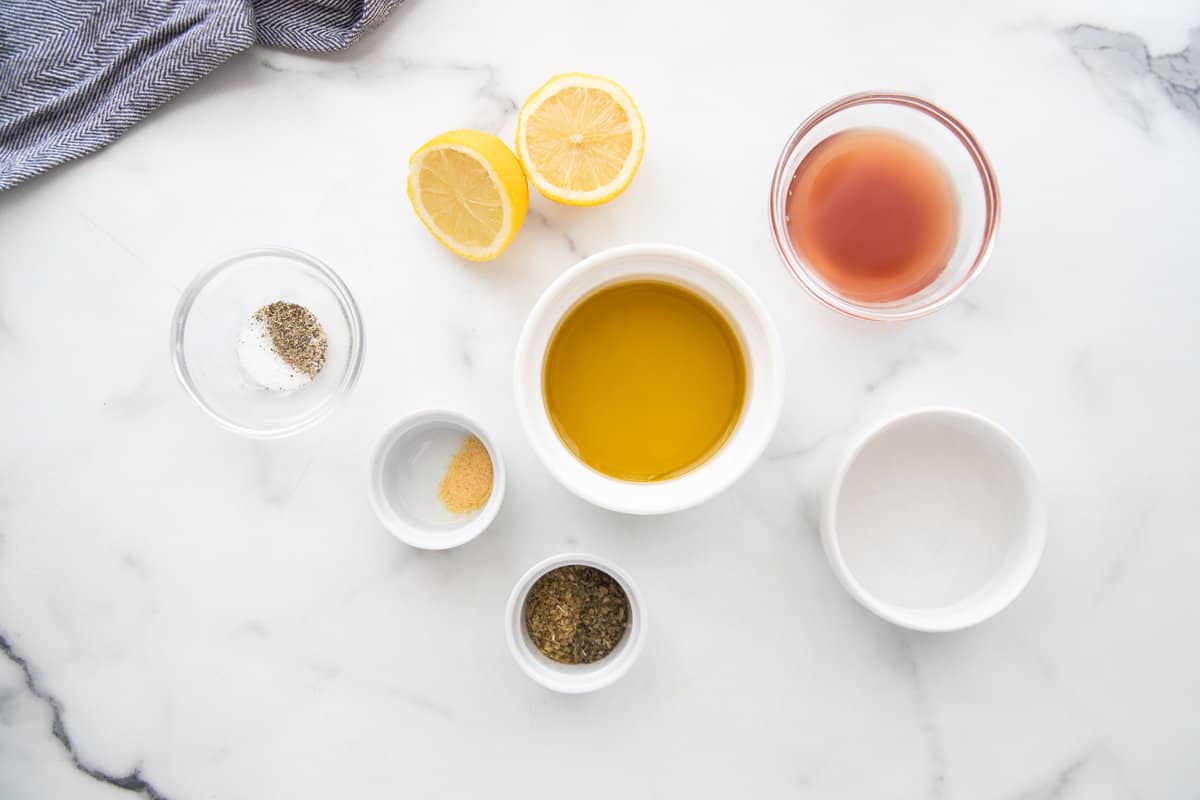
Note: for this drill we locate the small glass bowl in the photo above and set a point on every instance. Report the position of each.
(949, 141)
(210, 319)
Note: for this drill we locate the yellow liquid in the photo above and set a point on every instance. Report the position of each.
(644, 380)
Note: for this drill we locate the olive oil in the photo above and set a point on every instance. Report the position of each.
(644, 380)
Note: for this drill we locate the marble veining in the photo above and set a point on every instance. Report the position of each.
(907, 360)
(185, 614)
(132, 781)
(1116, 59)
(485, 75)
(541, 219)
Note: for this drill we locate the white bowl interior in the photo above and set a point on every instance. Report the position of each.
(212, 315)
(937, 520)
(764, 379)
(574, 678)
(407, 469)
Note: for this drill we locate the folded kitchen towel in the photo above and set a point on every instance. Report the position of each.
(76, 74)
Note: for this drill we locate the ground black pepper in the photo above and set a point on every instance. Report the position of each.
(296, 336)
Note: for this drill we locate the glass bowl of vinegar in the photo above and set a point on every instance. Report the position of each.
(883, 206)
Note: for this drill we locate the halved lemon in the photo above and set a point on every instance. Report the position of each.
(580, 138)
(469, 190)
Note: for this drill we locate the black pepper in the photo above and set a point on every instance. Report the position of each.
(296, 336)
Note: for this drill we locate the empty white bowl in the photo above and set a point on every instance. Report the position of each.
(764, 376)
(935, 520)
(574, 678)
(407, 468)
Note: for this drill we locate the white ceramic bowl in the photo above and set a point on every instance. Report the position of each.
(764, 378)
(935, 520)
(406, 470)
(574, 678)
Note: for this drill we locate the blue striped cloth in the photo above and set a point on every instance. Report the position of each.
(76, 74)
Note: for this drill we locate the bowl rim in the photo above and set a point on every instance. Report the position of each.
(430, 538)
(345, 300)
(980, 609)
(780, 180)
(597, 678)
(599, 489)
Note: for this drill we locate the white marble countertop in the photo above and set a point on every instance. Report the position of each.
(185, 614)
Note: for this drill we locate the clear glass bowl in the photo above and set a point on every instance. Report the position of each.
(960, 155)
(211, 317)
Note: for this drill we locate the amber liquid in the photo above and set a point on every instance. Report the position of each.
(874, 214)
(644, 380)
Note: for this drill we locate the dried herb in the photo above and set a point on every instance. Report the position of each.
(296, 336)
(576, 614)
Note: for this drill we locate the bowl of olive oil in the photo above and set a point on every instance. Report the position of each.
(648, 378)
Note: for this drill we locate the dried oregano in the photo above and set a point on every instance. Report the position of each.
(576, 614)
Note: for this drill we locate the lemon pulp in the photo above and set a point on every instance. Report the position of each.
(580, 139)
(468, 189)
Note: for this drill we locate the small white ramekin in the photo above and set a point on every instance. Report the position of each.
(574, 678)
(961, 443)
(404, 525)
(764, 379)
